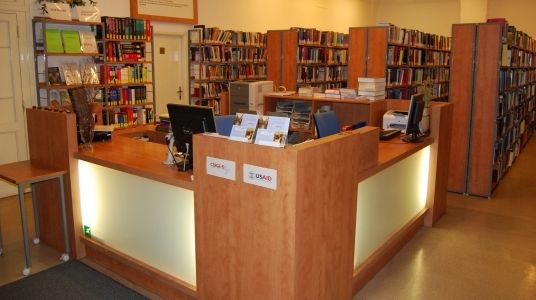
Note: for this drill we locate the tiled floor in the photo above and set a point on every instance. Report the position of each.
(481, 249)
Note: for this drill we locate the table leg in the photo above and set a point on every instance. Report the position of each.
(26, 270)
(36, 215)
(64, 256)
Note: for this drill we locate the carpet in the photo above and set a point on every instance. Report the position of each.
(70, 280)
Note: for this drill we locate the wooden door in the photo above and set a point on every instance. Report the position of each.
(12, 123)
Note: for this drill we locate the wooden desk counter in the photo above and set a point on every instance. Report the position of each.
(140, 158)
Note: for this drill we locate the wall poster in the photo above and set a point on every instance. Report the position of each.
(180, 11)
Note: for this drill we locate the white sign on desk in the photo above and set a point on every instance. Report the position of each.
(221, 168)
(260, 176)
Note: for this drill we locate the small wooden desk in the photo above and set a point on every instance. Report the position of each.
(24, 172)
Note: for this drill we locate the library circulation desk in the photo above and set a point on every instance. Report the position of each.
(310, 221)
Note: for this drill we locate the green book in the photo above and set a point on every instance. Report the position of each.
(53, 40)
(71, 41)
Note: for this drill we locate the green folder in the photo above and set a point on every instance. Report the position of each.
(71, 41)
(53, 39)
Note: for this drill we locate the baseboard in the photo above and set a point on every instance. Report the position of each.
(374, 263)
(138, 273)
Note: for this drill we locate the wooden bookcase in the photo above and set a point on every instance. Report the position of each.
(406, 58)
(217, 57)
(127, 72)
(301, 57)
(493, 99)
(126, 100)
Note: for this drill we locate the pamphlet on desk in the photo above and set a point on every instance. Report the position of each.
(244, 127)
(272, 131)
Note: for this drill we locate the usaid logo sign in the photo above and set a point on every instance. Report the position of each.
(221, 168)
(260, 176)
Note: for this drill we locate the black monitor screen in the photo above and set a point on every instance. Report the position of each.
(416, 108)
(187, 120)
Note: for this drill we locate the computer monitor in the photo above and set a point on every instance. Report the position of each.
(416, 108)
(187, 120)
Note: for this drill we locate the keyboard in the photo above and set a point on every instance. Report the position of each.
(389, 134)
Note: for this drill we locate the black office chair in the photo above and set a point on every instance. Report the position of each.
(327, 123)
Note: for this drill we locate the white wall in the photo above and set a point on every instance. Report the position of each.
(433, 16)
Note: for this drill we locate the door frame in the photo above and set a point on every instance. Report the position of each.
(183, 44)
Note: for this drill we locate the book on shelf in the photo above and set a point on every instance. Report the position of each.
(371, 93)
(125, 28)
(348, 93)
(272, 131)
(65, 99)
(53, 41)
(244, 127)
(71, 73)
(88, 42)
(90, 74)
(54, 76)
(71, 41)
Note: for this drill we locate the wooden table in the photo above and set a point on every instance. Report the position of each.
(25, 172)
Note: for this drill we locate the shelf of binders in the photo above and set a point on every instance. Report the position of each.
(217, 57)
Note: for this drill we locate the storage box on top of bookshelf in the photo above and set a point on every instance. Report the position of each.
(494, 103)
(65, 55)
(301, 57)
(127, 72)
(405, 57)
(217, 57)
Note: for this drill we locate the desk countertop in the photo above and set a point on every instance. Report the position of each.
(145, 158)
(136, 157)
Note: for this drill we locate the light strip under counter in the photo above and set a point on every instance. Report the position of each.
(388, 200)
(143, 218)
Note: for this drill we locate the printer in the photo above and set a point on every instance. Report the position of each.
(398, 119)
(248, 95)
(395, 119)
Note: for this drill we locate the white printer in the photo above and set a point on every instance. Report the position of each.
(248, 95)
(395, 119)
(398, 119)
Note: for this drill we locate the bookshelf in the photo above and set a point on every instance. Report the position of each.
(407, 58)
(494, 101)
(217, 57)
(301, 57)
(116, 67)
(127, 71)
(50, 55)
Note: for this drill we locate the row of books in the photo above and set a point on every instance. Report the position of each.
(227, 54)
(402, 56)
(418, 38)
(323, 85)
(322, 55)
(206, 90)
(322, 73)
(509, 100)
(520, 39)
(200, 34)
(512, 78)
(408, 76)
(127, 95)
(312, 36)
(514, 57)
(127, 116)
(124, 74)
(70, 41)
(124, 28)
(227, 72)
(121, 52)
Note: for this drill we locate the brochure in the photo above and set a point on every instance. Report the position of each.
(244, 127)
(272, 131)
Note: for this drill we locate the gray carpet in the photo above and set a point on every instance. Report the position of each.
(70, 280)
